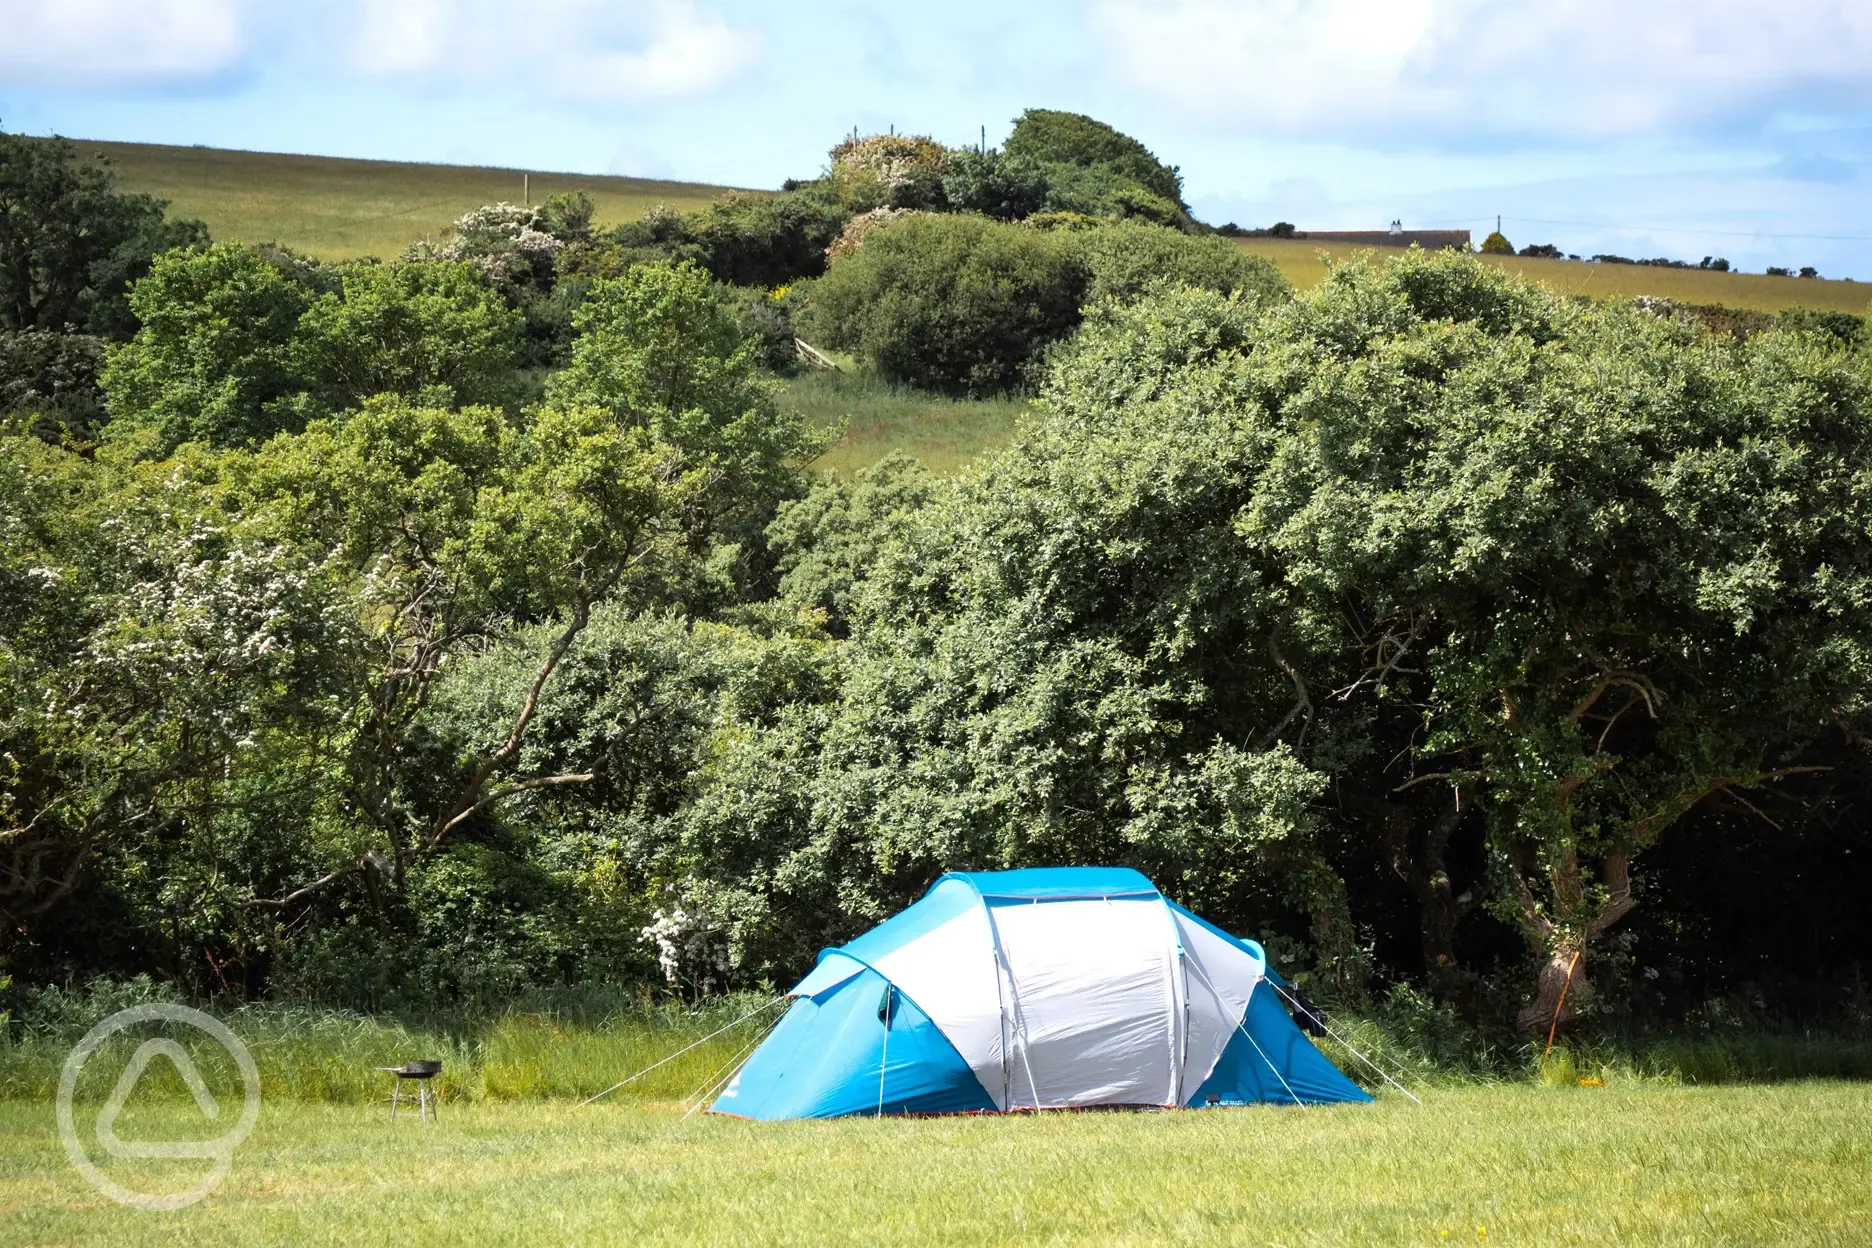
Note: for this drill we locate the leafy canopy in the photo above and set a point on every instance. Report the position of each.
(70, 244)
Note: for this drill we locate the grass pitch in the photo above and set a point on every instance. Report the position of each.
(1510, 1164)
(337, 209)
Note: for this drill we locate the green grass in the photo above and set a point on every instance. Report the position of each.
(1300, 261)
(338, 209)
(943, 433)
(1635, 1164)
(330, 1057)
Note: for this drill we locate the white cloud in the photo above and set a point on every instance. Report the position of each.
(1577, 68)
(587, 50)
(582, 50)
(119, 43)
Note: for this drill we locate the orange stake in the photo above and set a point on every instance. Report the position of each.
(1559, 1005)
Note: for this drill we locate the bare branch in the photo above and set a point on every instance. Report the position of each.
(518, 786)
(280, 903)
(1302, 702)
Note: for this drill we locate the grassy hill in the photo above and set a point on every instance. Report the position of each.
(338, 209)
(1299, 260)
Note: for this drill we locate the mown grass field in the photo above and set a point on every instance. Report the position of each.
(1300, 261)
(337, 209)
(1517, 1164)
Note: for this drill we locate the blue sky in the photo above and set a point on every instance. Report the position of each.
(1740, 128)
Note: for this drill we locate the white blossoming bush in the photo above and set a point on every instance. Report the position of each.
(852, 237)
(688, 950)
(504, 241)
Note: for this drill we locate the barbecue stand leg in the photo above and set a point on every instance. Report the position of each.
(396, 1090)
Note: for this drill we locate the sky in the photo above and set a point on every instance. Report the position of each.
(1681, 128)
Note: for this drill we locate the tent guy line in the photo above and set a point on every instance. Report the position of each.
(679, 1052)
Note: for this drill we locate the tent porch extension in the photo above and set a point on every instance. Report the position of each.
(1046, 988)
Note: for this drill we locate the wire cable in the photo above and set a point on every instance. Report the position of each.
(679, 1052)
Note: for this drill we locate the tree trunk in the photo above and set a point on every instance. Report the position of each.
(1440, 908)
(1556, 997)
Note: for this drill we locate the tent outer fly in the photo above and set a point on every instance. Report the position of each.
(1043, 988)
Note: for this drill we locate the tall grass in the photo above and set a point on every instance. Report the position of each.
(332, 1057)
(571, 1048)
(944, 433)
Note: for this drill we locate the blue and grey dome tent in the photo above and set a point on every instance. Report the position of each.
(1047, 988)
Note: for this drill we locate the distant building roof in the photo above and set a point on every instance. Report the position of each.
(1429, 240)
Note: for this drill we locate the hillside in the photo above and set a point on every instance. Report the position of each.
(338, 209)
(1299, 260)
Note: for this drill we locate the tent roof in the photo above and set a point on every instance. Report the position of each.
(1047, 883)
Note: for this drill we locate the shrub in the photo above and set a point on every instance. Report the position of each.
(995, 184)
(957, 304)
(1496, 244)
(764, 240)
(54, 377)
(213, 359)
(1101, 191)
(567, 216)
(1049, 137)
(888, 170)
(746, 240)
(409, 329)
(852, 237)
(1127, 258)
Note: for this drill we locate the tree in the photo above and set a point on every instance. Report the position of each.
(236, 346)
(70, 245)
(1591, 563)
(213, 360)
(1496, 244)
(1046, 663)
(430, 328)
(1049, 137)
(1126, 258)
(951, 303)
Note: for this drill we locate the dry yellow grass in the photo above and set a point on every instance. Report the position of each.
(338, 209)
(1300, 260)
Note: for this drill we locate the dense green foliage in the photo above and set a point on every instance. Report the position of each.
(746, 240)
(70, 244)
(437, 631)
(956, 304)
(962, 304)
(1126, 259)
(236, 346)
(1093, 168)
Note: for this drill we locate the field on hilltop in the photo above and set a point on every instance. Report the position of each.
(1299, 260)
(338, 209)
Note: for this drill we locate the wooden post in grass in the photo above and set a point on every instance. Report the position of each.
(526, 190)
